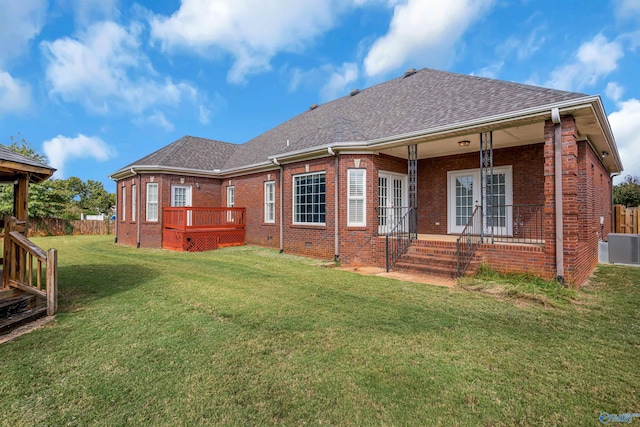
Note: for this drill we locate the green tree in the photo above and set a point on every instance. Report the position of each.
(627, 192)
(57, 198)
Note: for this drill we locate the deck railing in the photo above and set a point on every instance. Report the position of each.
(189, 218)
(29, 268)
(401, 234)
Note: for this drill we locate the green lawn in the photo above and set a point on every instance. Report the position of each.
(247, 336)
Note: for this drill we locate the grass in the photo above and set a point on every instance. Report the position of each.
(246, 336)
(521, 289)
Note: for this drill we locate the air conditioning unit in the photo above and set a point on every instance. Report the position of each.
(624, 248)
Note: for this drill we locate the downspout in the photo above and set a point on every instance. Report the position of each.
(115, 240)
(336, 215)
(275, 161)
(557, 140)
(138, 204)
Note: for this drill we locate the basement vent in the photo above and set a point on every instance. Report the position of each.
(410, 72)
(354, 92)
(313, 107)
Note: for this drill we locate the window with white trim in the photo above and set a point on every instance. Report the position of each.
(180, 195)
(270, 202)
(356, 198)
(133, 202)
(124, 203)
(231, 196)
(152, 201)
(309, 198)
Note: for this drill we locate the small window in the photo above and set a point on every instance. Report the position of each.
(356, 199)
(270, 202)
(231, 198)
(152, 201)
(180, 195)
(309, 198)
(124, 203)
(133, 202)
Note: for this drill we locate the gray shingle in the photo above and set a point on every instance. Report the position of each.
(12, 156)
(190, 152)
(425, 100)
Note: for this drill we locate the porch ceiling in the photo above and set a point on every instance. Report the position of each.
(509, 137)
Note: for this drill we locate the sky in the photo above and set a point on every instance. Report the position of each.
(97, 84)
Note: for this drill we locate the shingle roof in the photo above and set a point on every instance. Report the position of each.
(36, 175)
(190, 152)
(424, 100)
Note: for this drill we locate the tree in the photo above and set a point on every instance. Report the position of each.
(57, 198)
(627, 192)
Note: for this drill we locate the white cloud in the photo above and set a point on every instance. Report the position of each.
(523, 48)
(63, 149)
(614, 91)
(204, 114)
(159, 119)
(423, 32)
(15, 95)
(96, 70)
(339, 80)
(20, 22)
(594, 59)
(251, 31)
(491, 71)
(626, 129)
(88, 11)
(627, 9)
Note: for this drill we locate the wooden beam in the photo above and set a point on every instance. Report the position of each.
(52, 282)
(29, 289)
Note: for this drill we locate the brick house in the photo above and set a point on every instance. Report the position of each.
(432, 171)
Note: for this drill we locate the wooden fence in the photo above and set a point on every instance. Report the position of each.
(61, 227)
(625, 220)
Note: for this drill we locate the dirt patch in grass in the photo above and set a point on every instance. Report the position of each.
(519, 289)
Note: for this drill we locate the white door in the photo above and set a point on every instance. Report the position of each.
(181, 196)
(392, 200)
(464, 197)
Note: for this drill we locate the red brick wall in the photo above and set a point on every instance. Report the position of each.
(208, 194)
(594, 199)
(528, 181)
(309, 239)
(249, 193)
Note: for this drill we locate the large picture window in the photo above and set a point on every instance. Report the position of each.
(152, 201)
(356, 200)
(270, 202)
(309, 198)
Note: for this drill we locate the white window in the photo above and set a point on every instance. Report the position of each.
(124, 203)
(180, 195)
(270, 201)
(357, 199)
(309, 198)
(133, 202)
(231, 198)
(152, 201)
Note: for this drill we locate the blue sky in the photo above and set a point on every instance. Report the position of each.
(97, 84)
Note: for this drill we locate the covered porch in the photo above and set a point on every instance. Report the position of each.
(495, 196)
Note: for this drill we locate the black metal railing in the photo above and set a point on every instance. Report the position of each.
(514, 224)
(469, 239)
(400, 235)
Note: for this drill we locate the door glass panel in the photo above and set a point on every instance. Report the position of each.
(464, 199)
(382, 201)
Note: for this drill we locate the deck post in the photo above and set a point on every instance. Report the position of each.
(52, 282)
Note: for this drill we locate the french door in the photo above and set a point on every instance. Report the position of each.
(392, 200)
(464, 195)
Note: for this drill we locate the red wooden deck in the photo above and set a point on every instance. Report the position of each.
(197, 229)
